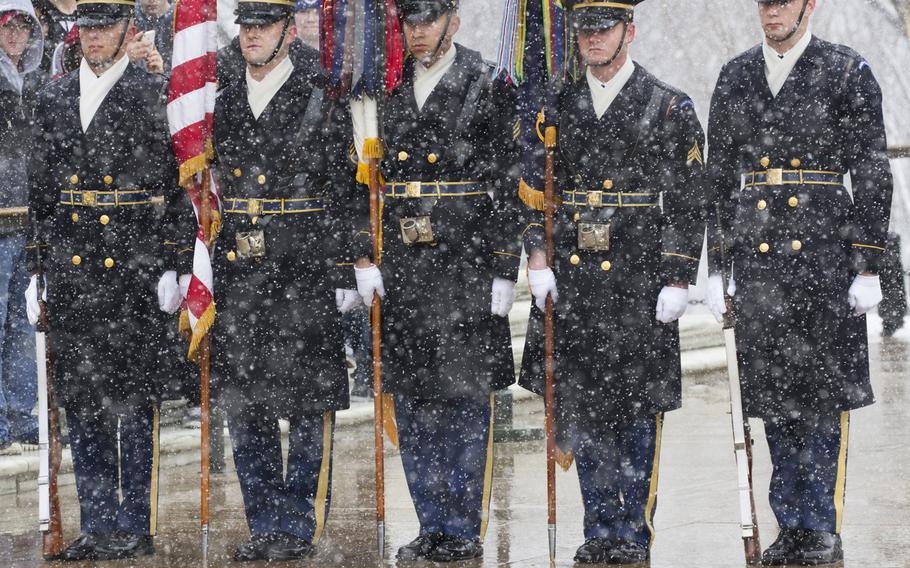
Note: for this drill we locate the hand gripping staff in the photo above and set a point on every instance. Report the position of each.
(742, 437)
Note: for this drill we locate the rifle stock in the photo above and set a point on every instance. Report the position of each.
(50, 451)
(742, 436)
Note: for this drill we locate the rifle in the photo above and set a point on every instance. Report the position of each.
(50, 452)
(742, 436)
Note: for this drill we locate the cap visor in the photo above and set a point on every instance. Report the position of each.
(96, 21)
(594, 22)
(422, 16)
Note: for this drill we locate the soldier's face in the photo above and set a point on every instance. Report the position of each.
(258, 42)
(307, 22)
(597, 47)
(779, 18)
(101, 44)
(423, 38)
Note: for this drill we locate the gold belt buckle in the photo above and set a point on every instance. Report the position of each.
(595, 198)
(775, 176)
(412, 189)
(88, 198)
(254, 207)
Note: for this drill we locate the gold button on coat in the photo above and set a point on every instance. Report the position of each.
(576, 217)
(574, 259)
(238, 172)
(796, 245)
(108, 180)
(765, 162)
(608, 184)
(108, 262)
(605, 265)
(432, 158)
(104, 220)
(763, 248)
(402, 156)
(793, 202)
(75, 217)
(231, 256)
(74, 179)
(762, 204)
(795, 162)
(261, 179)
(77, 260)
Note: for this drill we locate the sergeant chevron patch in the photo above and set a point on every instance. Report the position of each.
(694, 155)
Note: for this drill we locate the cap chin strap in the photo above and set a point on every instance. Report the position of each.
(109, 62)
(622, 42)
(799, 22)
(442, 37)
(284, 31)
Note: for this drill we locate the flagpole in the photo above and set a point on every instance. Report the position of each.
(205, 214)
(549, 390)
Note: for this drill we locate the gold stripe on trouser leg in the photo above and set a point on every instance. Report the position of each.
(325, 474)
(487, 477)
(655, 469)
(153, 486)
(840, 484)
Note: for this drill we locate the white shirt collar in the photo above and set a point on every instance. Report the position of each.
(94, 88)
(260, 93)
(603, 94)
(779, 65)
(426, 78)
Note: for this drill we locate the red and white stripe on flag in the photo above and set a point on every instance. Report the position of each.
(191, 102)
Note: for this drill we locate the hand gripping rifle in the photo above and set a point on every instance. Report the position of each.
(742, 437)
(50, 450)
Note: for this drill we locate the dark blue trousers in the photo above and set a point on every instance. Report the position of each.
(446, 450)
(809, 477)
(294, 502)
(96, 460)
(617, 465)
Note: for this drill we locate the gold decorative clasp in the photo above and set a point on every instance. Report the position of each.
(412, 189)
(595, 198)
(254, 207)
(775, 176)
(88, 198)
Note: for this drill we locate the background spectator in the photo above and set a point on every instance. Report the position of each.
(21, 52)
(158, 16)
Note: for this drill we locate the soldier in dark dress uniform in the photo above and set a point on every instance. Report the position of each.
(103, 186)
(451, 250)
(789, 120)
(285, 177)
(627, 238)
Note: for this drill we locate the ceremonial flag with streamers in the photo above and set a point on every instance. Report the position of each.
(190, 105)
(535, 54)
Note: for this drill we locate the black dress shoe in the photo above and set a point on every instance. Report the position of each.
(127, 545)
(783, 550)
(87, 547)
(454, 548)
(420, 547)
(254, 549)
(817, 548)
(288, 547)
(594, 551)
(628, 552)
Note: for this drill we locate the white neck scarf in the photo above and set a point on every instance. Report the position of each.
(259, 93)
(426, 78)
(778, 66)
(94, 88)
(603, 94)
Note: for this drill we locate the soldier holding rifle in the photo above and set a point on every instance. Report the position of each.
(791, 120)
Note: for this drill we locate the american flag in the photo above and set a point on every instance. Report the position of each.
(191, 103)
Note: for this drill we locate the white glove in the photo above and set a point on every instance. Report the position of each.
(865, 293)
(369, 280)
(672, 303)
(346, 300)
(169, 298)
(714, 295)
(543, 283)
(503, 297)
(184, 282)
(32, 308)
